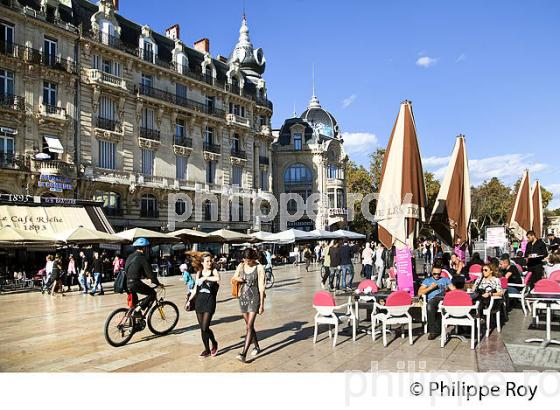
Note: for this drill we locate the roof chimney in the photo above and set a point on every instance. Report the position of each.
(172, 32)
(202, 45)
(222, 58)
(116, 5)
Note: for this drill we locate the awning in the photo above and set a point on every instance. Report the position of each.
(54, 144)
(48, 221)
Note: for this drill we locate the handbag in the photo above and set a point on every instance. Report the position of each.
(235, 288)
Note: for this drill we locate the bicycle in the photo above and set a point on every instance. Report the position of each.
(161, 316)
(269, 278)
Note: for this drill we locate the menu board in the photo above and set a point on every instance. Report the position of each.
(496, 237)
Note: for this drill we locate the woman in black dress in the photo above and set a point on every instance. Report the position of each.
(206, 289)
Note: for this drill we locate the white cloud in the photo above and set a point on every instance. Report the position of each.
(462, 57)
(347, 102)
(508, 167)
(426, 61)
(555, 189)
(359, 142)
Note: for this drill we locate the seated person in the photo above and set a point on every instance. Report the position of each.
(510, 271)
(434, 288)
(486, 287)
(456, 265)
(552, 263)
(520, 260)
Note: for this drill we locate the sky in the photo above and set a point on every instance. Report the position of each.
(486, 69)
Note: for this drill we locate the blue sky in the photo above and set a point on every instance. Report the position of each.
(487, 69)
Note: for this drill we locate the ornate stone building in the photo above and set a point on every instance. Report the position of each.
(154, 116)
(309, 158)
(38, 88)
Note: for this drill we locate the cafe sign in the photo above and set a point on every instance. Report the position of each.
(55, 183)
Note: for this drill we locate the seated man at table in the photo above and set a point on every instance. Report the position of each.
(510, 271)
(434, 288)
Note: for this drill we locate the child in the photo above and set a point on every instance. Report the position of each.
(189, 281)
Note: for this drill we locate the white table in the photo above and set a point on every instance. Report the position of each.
(548, 299)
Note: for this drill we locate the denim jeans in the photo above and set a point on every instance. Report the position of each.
(513, 291)
(334, 272)
(82, 278)
(346, 270)
(367, 271)
(97, 279)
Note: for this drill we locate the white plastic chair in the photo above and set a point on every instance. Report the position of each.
(364, 295)
(328, 313)
(488, 315)
(457, 309)
(523, 291)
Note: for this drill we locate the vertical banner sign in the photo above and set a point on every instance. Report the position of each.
(403, 263)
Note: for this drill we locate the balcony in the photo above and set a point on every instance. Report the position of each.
(12, 102)
(10, 49)
(13, 161)
(213, 148)
(163, 95)
(54, 167)
(54, 110)
(264, 160)
(263, 102)
(50, 60)
(237, 153)
(234, 89)
(183, 141)
(110, 40)
(101, 77)
(149, 134)
(107, 124)
(233, 119)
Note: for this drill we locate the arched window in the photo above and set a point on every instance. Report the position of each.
(297, 174)
(111, 202)
(180, 207)
(148, 206)
(208, 210)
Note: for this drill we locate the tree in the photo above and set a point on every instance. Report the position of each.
(359, 181)
(491, 203)
(432, 190)
(376, 167)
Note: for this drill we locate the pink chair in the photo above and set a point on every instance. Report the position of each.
(519, 268)
(457, 309)
(394, 312)
(504, 282)
(329, 313)
(555, 276)
(392, 279)
(366, 288)
(523, 290)
(445, 274)
(475, 271)
(545, 286)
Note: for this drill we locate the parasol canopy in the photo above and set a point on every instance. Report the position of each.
(538, 210)
(451, 215)
(153, 236)
(520, 218)
(81, 235)
(401, 206)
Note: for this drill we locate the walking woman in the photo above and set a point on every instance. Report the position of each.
(71, 273)
(250, 273)
(207, 284)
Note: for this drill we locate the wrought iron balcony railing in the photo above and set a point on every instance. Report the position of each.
(106, 124)
(214, 148)
(149, 134)
(237, 153)
(13, 102)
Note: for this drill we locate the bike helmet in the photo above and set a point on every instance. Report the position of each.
(140, 243)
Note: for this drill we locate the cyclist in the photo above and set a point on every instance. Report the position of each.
(137, 267)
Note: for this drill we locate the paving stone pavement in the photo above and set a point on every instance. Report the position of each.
(65, 334)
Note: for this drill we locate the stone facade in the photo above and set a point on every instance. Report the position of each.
(148, 105)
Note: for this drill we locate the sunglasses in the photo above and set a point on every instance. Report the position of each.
(486, 270)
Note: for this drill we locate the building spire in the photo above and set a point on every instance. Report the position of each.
(294, 115)
(314, 103)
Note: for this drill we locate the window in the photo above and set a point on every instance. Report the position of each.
(107, 154)
(107, 66)
(235, 144)
(147, 162)
(181, 92)
(180, 206)
(210, 103)
(340, 200)
(181, 167)
(148, 51)
(297, 174)
(210, 172)
(261, 120)
(179, 131)
(6, 37)
(148, 118)
(147, 80)
(297, 141)
(107, 108)
(148, 206)
(208, 210)
(209, 135)
(7, 148)
(49, 51)
(96, 62)
(111, 202)
(264, 180)
(6, 82)
(49, 95)
(237, 175)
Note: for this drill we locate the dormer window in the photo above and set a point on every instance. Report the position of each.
(147, 52)
(148, 49)
(182, 63)
(298, 141)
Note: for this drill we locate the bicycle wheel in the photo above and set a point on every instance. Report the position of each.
(269, 281)
(163, 318)
(119, 328)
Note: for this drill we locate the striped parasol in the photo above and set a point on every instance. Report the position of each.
(401, 206)
(520, 218)
(538, 211)
(451, 215)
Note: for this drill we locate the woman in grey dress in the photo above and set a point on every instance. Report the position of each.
(250, 273)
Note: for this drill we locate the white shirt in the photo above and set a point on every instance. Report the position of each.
(379, 257)
(49, 267)
(367, 256)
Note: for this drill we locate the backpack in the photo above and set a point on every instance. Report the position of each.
(120, 282)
